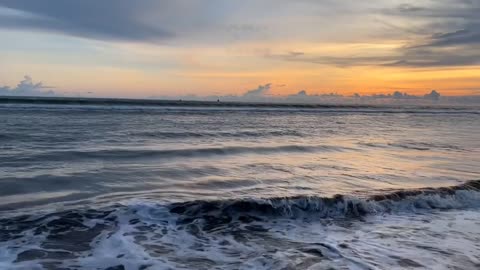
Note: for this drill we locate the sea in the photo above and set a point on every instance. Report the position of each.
(120, 185)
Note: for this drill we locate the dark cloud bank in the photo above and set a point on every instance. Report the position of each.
(441, 33)
(104, 20)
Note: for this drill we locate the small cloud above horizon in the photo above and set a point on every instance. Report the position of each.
(261, 90)
(263, 94)
(27, 87)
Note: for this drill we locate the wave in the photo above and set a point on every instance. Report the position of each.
(227, 134)
(75, 229)
(136, 105)
(420, 146)
(456, 197)
(118, 154)
(148, 235)
(215, 212)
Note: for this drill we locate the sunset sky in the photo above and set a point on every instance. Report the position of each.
(124, 48)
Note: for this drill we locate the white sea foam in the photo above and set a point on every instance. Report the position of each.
(432, 231)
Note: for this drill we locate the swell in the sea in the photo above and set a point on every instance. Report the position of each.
(118, 154)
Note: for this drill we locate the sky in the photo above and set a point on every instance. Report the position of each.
(158, 48)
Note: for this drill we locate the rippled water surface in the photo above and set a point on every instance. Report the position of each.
(125, 187)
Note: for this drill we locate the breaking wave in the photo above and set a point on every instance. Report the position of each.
(149, 235)
(462, 196)
(456, 197)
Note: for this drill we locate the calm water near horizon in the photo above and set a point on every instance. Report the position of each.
(145, 187)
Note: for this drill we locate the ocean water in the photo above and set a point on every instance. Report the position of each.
(228, 187)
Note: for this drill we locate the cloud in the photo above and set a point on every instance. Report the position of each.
(468, 36)
(301, 93)
(433, 33)
(341, 61)
(436, 34)
(452, 34)
(154, 20)
(262, 94)
(27, 87)
(261, 90)
(398, 96)
(106, 19)
(434, 95)
(150, 21)
(413, 57)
